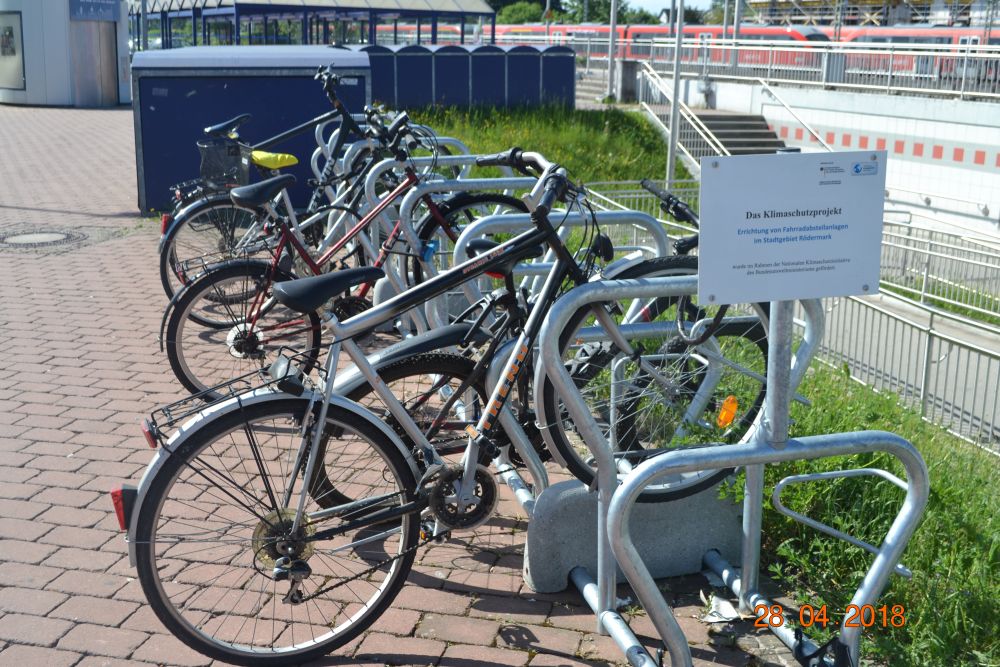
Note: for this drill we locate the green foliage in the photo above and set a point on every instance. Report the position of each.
(520, 12)
(951, 602)
(603, 145)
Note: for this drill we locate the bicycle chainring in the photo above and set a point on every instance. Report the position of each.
(444, 501)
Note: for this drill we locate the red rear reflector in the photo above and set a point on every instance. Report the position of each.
(165, 221)
(147, 432)
(118, 500)
(498, 276)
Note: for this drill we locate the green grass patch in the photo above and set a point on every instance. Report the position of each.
(597, 145)
(951, 604)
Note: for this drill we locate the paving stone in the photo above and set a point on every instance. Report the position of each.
(464, 655)
(94, 610)
(95, 639)
(392, 650)
(27, 576)
(511, 609)
(88, 583)
(24, 552)
(167, 650)
(28, 601)
(538, 638)
(457, 629)
(17, 655)
(34, 630)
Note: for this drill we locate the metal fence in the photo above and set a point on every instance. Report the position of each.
(935, 266)
(949, 70)
(951, 382)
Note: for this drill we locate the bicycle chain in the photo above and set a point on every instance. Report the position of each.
(376, 566)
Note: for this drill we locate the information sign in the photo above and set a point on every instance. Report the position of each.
(94, 10)
(790, 226)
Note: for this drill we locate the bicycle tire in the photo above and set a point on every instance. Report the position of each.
(458, 211)
(228, 349)
(679, 364)
(201, 235)
(208, 532)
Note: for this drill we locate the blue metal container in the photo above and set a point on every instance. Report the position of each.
(178, 92)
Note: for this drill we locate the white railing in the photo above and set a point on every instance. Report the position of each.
(948, 69)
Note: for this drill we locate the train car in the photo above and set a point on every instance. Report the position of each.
(914, 34)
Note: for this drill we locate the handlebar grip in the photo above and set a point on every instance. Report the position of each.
(398, 122)
(555, 189)
(662, 194)
(508, 158)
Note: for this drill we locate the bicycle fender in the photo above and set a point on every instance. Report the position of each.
(222, 409)
(187, 211)
(430, 341)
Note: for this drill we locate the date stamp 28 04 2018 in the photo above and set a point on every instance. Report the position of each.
(865, 616)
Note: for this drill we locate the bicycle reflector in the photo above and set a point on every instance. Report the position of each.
(727, 413)
(148, 433)
(124, 500)
(165, 221)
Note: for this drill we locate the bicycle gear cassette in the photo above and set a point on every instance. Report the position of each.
(445, 504)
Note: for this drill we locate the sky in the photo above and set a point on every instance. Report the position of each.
(654, 6)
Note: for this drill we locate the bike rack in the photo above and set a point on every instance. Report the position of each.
(768, 444)
(520, 222)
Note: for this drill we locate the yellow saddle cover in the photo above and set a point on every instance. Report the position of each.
(273, 160)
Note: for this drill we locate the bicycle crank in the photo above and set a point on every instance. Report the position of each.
(451, 511)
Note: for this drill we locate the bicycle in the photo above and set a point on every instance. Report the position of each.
(224, 530)
(225, 321)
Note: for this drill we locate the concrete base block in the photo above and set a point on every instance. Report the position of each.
(671, 537)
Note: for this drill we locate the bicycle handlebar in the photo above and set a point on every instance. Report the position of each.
(515, 158)
(670, 204)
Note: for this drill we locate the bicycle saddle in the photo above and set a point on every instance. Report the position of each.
(228, 127)
(255, 195)
(483, 246)
(305, 295)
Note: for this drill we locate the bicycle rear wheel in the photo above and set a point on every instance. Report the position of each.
(248, 327)
(686, 396)
(203, 235)
(218, 515)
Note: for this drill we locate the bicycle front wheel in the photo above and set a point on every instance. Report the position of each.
(249, 327)
(672, 395)
(219, 515)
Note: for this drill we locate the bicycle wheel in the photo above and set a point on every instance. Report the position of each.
(694, 395)
(204, 235)
(458, 212)
(423, 383)
(248, 327)
(218, 515)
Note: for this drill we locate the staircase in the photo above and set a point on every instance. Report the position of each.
(591, 87)
(741, 134)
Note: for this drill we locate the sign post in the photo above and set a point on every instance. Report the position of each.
(779, 228)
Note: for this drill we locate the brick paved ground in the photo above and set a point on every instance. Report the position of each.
(78, 329)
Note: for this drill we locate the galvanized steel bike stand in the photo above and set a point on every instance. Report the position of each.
(771, 445)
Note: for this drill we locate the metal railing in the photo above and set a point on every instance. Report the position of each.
(694, 139)
(949, 70)
(951, 382)
(935, 269)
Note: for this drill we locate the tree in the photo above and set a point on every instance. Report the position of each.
(638, 16)
(520, 12)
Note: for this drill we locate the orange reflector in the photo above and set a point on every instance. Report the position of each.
(727, 413)
(471, 431)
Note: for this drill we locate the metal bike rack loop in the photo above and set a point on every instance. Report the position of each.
(770, 444)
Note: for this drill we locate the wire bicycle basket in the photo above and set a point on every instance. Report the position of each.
(225, 162)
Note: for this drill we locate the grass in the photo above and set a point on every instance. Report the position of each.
(599, 145)
(951, 604)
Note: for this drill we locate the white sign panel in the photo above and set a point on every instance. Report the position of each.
(790, 226)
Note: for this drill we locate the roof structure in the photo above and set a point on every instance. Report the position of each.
(479, 7)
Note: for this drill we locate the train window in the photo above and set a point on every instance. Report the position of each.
(994, 41)
(817, 37)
